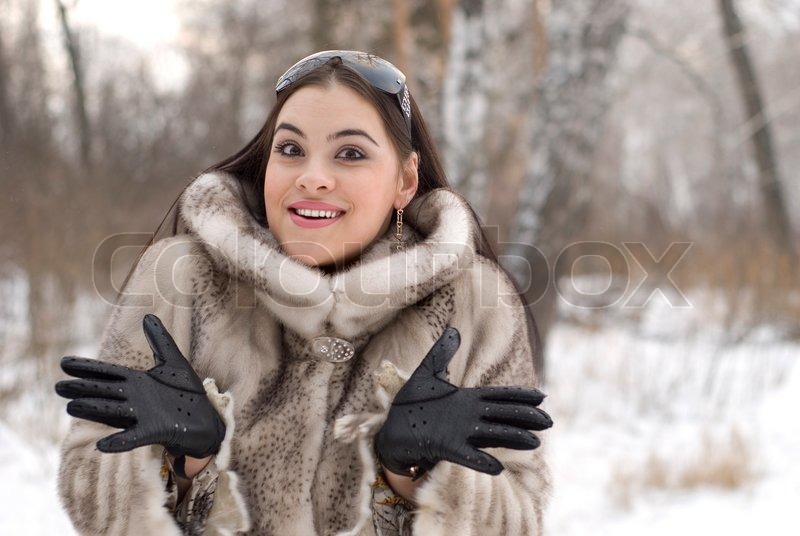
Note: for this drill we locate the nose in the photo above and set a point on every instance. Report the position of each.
(315, 177)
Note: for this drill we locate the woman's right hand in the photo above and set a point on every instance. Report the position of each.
(165, 405)
(433, 420)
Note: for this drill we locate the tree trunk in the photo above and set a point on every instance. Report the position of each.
(322, 35)
(777, 218)
(81, 115)
(465, 101)
(525, 30)
(572, 103)
(540, 45)
(401, 37)
(444, 8)
(7, 119)
(485, 92)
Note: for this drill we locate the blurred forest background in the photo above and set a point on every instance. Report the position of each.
(587, 120)
(652, 127)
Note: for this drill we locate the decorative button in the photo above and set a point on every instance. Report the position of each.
(332, 349)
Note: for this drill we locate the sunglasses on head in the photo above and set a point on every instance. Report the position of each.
(378, 72)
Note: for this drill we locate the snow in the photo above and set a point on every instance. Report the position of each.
(28, 500)
(659, 396)
(655, 412)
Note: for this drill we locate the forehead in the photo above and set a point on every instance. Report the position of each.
(330, 106)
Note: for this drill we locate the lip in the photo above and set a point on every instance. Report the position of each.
(314, 205)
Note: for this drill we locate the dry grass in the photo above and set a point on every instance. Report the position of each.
(760, 280)
(724, 464)
(763, 287)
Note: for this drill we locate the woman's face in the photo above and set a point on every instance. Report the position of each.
(333, 176)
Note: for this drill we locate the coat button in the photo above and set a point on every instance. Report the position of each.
(332, 349)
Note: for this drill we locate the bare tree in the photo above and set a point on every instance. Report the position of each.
(81, 115)
(7, 119)
(401, 33)
(323, 23)
(444, 11)
(573, 99)
(34, 176)
(539, 32)
(486, 91)
(516, 56)
(777, 218)
(465, 101)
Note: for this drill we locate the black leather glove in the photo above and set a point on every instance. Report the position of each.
(432, 420)
(166, 405)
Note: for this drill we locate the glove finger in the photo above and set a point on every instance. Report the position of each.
(161, 342)
(124, 441)
(509, 437)
(473, 458)
(520, 395)
(443, 351)
(171, 368)
(109, 412)
(429, 380)
(90, 389)
(92, 369)
(438, 357)
(517, 415)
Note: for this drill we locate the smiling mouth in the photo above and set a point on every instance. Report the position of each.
(317, 214)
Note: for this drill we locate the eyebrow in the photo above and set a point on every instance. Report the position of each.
(352, 132)
(336, 135)
(292, 128)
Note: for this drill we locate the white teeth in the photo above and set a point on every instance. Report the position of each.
(308, 213)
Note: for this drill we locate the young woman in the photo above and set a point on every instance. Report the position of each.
(354, 328)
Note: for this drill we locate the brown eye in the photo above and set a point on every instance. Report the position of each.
(350, 153)
(288, 149)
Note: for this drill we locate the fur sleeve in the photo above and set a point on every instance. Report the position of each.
(123, 493)
(495, 350)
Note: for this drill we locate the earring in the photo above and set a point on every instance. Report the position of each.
(398, 234)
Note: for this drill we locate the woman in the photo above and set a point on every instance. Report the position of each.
(354, 329)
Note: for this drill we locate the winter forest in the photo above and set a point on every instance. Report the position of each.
(634, 162)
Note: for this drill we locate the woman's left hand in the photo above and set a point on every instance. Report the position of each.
(432, 420)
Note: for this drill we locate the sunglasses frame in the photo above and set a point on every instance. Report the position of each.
(380, 74)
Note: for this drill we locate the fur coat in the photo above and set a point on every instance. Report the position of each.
(298, 455)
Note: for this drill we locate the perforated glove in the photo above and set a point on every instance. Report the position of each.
(166, 405)
(432, 420)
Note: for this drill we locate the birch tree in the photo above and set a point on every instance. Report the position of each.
(487, 71)
(465, 101)
(572, 101)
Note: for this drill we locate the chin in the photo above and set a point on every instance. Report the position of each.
(308, 253)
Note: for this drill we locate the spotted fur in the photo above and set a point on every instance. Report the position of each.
(244, 314)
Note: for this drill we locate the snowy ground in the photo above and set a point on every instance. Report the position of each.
(662, 427)
(606, 458)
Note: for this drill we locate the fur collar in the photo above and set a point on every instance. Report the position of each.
(351, 303)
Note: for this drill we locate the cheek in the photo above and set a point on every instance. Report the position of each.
(377, 206)
(273, 192)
